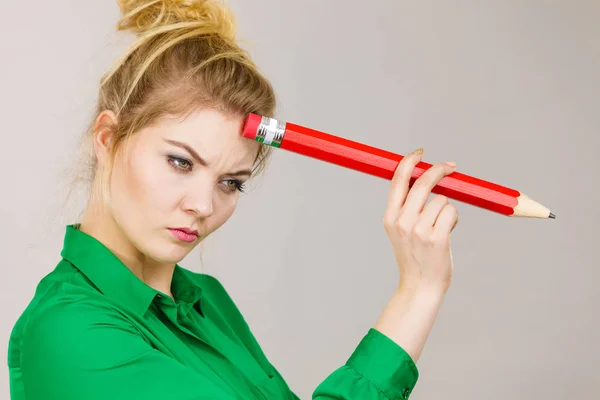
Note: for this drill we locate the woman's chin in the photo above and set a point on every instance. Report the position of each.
(171, 253)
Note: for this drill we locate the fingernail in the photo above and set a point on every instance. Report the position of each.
(452, 164)
(418, 151)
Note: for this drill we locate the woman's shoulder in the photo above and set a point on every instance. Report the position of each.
(63, 309)
(62, 298)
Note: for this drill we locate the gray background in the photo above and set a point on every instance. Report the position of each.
(507, 89)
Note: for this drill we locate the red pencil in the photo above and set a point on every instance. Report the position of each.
(381, 163)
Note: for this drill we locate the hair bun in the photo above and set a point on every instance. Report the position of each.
(143, 16)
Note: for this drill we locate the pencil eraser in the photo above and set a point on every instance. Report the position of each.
(251, 126)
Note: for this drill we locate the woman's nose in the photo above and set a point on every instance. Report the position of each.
(200, 203)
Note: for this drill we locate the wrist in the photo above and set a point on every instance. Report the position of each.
(420, 288)
(410, 314)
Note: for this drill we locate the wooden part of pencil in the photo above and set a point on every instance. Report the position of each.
(529, 208)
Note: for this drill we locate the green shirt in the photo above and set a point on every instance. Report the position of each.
(93, 331)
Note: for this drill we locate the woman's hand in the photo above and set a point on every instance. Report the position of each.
(420, 232)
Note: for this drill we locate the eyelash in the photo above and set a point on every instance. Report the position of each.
(238, 184)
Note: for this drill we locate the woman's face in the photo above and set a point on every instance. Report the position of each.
(180, 174)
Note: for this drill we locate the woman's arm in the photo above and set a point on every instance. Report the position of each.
(383, 365)
(409, 317)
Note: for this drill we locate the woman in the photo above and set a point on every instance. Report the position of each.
(118, 318)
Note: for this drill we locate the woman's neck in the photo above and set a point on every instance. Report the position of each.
(98, 223)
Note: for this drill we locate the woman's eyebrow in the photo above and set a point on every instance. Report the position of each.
(200, 160)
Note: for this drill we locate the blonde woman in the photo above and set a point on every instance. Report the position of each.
(118, 318)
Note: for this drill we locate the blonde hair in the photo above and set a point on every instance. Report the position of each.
(185, 57)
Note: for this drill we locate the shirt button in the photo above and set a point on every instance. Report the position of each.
(406, 393)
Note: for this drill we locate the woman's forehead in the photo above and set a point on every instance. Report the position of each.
(212, 134)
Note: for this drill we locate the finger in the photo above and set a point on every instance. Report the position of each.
(455, 220)
(420, 191)
(432, 211)
(446, 221)
(400, 183)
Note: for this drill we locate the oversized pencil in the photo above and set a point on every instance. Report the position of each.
(381, 163)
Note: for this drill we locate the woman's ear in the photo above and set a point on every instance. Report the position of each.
(104, 134)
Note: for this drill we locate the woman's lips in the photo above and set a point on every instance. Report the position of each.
(183, 235)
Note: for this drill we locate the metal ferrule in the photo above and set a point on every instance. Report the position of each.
(270, 131)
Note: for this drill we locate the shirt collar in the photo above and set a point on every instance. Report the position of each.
(114, 279)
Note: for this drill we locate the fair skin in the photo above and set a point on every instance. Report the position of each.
(419, 232)
(149, 196)
(156, 185)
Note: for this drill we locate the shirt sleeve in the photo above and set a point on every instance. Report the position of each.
(76, 349)
(377, 369)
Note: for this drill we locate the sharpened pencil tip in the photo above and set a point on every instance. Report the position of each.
(552, 216)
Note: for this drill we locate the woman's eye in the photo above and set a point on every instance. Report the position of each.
(180, 164)
(234, 184)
